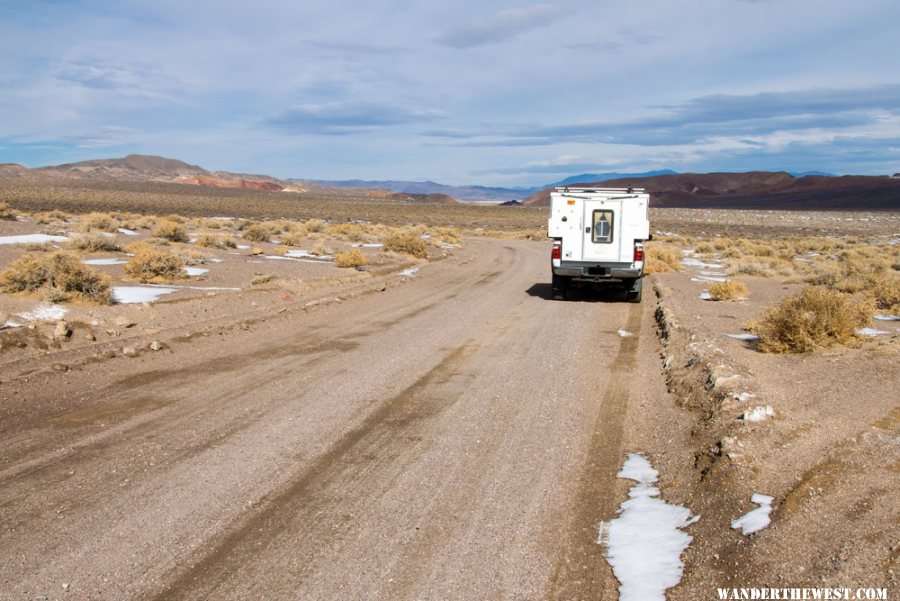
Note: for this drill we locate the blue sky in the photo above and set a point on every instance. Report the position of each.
(497, 93)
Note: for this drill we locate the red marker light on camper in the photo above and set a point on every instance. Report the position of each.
(638, 253)
(556, 253)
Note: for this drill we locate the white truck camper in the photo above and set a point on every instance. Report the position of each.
(598, 236)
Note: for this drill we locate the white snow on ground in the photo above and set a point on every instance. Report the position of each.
(758, 414)
(305, 254)
(883, 317)
(743, 397)
(139, 294)
(44, 312)
(103, 262)
(756, 519)
(706, 278)
(127, 232)
(743, 336)
(408, 273)
(242, 246)
(31, 239)
(10, 324)
(700, 264)
(705, 296)
(870, 332)
(714, 273)
(195, 270)
(644, 544)
(373, 245)
(624, 333)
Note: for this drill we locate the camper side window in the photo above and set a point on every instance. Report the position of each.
(603, 226)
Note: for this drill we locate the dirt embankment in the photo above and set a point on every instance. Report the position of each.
(818, 432)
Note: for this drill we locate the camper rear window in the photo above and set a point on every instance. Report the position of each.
(603, 226)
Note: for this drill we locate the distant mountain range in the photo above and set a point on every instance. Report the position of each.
(813, 190)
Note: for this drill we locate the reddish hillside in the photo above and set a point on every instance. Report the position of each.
(759, 189)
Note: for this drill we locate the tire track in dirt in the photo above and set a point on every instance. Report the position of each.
(307, 504)
(582, 572)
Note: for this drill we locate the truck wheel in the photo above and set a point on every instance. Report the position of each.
(636, 291)
(558, 287)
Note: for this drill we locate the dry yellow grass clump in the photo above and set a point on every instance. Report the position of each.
(350, 258)
(98, 221)
(410, 244)
(660, 259)
(57, 277)
(6, 212)
(728, 290)
(92, 243)
(169, 229)
(46, 217)
(814, 317)
(257, 232)
(151, 265)
(208, 241)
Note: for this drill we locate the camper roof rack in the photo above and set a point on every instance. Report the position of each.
(588, 190)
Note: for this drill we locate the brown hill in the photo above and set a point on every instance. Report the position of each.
(134, 167)
(758, 190)
(12, 169)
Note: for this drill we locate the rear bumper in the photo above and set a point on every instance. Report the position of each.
(599, 273)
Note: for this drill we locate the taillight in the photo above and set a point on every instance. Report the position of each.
(556, 253)
(638, 253)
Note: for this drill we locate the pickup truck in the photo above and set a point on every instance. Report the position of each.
(598, 236)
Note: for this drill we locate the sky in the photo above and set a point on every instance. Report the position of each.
(495, 92)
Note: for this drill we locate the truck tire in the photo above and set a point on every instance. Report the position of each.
(558, 287)
(636, 291)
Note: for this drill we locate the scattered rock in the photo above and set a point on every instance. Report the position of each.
(110, 354)
(156, 345)
(130, 351)
(125, 322)
(112, 332)
(256, 251)
(62, 331)
(59, 367)
(90, 337)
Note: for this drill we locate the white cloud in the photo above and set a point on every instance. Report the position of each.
(499, 27)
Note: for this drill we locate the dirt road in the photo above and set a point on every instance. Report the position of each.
(456, 437)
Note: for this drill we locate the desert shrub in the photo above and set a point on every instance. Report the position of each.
(92, 243)
(408, 243)
(57, 277)
(314, 225)
(38, 247)
(257, 232)
(151, 265)
(753, 268)
(352, 232)
(55, 215)
(292, 238)
(728, 290)
(705, 248)
(98, 221)
(6, 212)
(174, 218)
(262, 278)
(350, 258)
(207, 241)
(814, 317)
(660, 259)
(449, 235)
(170, 230)
(885, 292)
(320, 248)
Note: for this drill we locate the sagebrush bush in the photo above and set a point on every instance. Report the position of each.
(728, 290)
(350, 258)
(262, 278)
(92, 243)
(885, 292)
(292, 238)
(208, 241)
(660, 259)
(57, 277)
(6, 212)
(410, 244)
(817, 316)
(151, 265)
(257, 232)
(46, 217)
(170, 230)
(98, 221)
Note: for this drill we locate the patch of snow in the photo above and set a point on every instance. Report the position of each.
(243, 246)
(127, 232)
(216, 260)
(44, 312)
(10, 325)
(195, 270)
(758, 414)
(748, 337)
(31, 239)
(884, 317)
(756, 519)
(690, 262)
(743, 397)
(714, 273)
(373, 245)
(705, 296)
(103, 262)
(707, 279)
(408, 273)
(688, 251)
(180, 287)
(644, 544)
(624, 333)
(223, 218)
(870, 332)
(139, 294)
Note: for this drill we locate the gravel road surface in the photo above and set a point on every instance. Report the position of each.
(455, 437)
